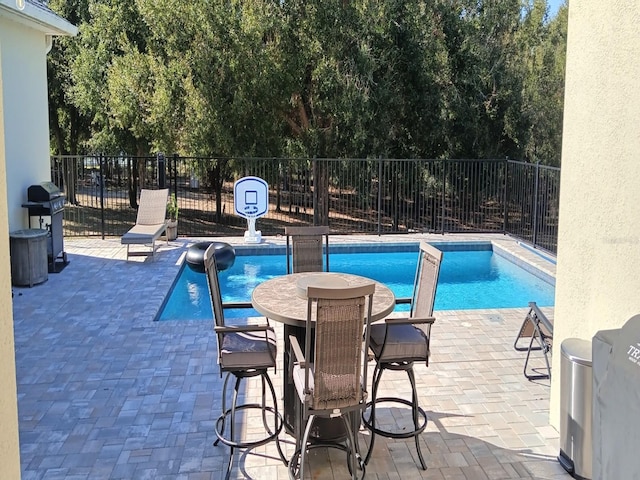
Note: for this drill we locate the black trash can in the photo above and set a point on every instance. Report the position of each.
(576, 408)
(29, 261)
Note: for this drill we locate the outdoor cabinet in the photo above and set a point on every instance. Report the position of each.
(616, 410)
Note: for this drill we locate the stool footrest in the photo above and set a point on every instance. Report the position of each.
(249, 444)
(389, 434)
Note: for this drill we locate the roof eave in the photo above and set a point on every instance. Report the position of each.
(38, 18)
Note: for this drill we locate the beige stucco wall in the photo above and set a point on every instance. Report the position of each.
(26, 126)
(598, 270)
(25, 36)
(9, 444)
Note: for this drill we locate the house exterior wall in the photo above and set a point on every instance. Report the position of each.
(9, 441)
(25, 35)
(598, 270)
(26, 123)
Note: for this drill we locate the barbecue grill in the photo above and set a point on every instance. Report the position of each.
(46, 200)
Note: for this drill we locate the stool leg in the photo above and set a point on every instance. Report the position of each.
(355, 420)
(264, 404)
(305, 440)
(353, 455)
(233, 425)
(417, 413)
(276, 416)
(297, 434)
(414, 410)
(221, 423)
(377, 374)
(224, 403)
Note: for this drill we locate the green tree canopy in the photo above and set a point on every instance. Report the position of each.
(362, 78)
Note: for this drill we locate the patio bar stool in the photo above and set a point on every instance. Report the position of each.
(330, 374)
(244, 352)
(305, 247)
(397, 343)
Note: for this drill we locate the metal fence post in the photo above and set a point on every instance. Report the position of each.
(505, 196)
(379, 196)
(174, 180)
(314, 194)
(535, 205)
(444, 193)
(101, 184)
(162, 174)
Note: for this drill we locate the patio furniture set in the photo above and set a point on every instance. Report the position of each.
(335, 324)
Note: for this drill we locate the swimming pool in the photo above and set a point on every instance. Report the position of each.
(469, 280)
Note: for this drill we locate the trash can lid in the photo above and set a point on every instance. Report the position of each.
(577, 350)
(30, 233)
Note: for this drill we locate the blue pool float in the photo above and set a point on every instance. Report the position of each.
(224, 253)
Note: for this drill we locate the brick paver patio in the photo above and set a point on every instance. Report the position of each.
(107, 393)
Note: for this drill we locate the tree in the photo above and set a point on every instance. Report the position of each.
(543, 54)
(485, 88)
(69, 128)
(234, 92)
(265, 78)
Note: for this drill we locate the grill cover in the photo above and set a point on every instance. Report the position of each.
(616, 406)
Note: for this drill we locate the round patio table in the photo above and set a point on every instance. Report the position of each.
(283, 299)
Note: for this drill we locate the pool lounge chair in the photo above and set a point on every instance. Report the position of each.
(151, 222)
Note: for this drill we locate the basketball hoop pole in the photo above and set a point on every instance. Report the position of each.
(251, 236)
(251, 201)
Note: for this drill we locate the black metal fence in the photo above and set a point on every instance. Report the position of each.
(377, 196)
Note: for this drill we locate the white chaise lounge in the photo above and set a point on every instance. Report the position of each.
(151, 222)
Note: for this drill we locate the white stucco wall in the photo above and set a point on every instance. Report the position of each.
(26, 122)
(598, 270)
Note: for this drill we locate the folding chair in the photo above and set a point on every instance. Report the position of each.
(535, 327)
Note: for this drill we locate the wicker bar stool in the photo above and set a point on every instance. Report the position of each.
(243, 352)
(397, 343)
(305, 249)
(330, 376)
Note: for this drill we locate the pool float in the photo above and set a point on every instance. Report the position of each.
(224, 253)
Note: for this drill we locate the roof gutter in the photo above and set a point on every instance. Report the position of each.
(38, 17)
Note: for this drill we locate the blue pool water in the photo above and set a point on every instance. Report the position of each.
(477, 279)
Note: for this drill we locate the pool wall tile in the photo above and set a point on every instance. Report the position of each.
(537, 265)
(262, 249)
(462, 246)
(380, 247)
(370, 247)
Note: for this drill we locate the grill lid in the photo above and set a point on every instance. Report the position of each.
(43, 192)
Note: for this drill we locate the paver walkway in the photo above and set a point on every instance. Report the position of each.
(105, 392)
